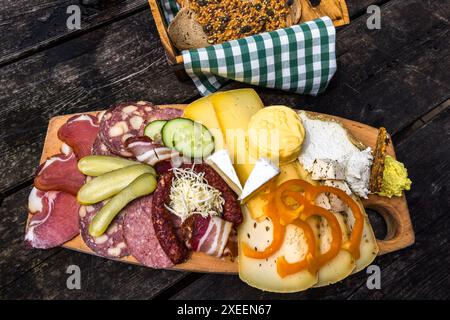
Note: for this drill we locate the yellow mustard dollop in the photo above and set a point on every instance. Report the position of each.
(277, 133)
(395, 178)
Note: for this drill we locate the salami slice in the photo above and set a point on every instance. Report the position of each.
(112, 243)
(122, 122)
(164, 114)
(140, 235)
(99, 148)
(165, 227)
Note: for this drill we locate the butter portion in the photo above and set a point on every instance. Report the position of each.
(276, 133)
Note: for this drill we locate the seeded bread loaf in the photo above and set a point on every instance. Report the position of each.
(205, 22)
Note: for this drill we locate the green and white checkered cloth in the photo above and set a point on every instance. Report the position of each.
(300, 59)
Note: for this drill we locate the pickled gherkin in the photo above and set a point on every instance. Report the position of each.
(97, 165)
(143, 185)
(111, 183)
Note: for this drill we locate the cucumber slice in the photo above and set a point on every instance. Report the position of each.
(172, 126)
(194, 142)
(153, 129)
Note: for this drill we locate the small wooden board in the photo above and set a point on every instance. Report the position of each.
(400, 233)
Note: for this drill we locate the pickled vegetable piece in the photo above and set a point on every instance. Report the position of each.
(97, 165)
(141, 186)
(111, 183)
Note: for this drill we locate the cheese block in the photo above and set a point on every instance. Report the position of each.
(221, 162)
(263, 172)
(202, 111)
(262, 273)
(234, 110)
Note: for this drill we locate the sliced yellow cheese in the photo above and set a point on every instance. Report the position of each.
(234, 110)
(202, 111)
(368, 248)
(340, 266)
(262, 273)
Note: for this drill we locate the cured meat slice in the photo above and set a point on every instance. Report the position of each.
(36, 201)
(112, 243)
(163, 224)
(59, 173)
(79, 132)
(147, 151)
(164, 114)
(209, 234)
(163, 167)
(99, 148)
(55, 219)
(122, 122)
(140, 235)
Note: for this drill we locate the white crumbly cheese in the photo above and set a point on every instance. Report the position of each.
(357, 171)
(324, 169)
(191, 194)
(263, 171)
(329, 140)
(221, 160)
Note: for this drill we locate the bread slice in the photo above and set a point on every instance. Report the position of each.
(185, 32)
(295, 12)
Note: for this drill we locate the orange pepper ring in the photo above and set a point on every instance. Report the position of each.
(287, 214)
(336, 233)
(355, 238)
(285, 268)
(278, 238)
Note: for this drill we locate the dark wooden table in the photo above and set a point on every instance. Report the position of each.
(397, 77)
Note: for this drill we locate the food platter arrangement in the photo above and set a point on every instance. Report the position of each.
(224, 184)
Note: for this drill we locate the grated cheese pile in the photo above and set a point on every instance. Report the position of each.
(191, 194)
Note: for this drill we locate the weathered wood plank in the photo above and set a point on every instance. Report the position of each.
(15, 258)
(41, 24)
(416, 272)
(123, 61)
(100, 279)
(41, 274)
(390, 76)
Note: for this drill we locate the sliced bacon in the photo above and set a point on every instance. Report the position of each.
(79, 132)
(59, 173)
(147, 151)
(209, 235)
(55, 219)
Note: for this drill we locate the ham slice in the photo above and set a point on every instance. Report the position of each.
(59, 173)
(147, 151)
(79, 133)
(209, 235)
(54, 220)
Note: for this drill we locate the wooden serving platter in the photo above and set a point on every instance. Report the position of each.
(400, 233)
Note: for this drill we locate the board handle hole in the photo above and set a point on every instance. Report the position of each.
(378, 223)
(385, 213)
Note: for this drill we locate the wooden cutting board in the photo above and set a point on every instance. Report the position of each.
(400, 233)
